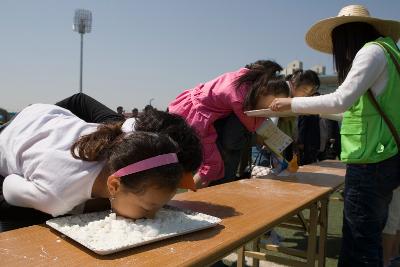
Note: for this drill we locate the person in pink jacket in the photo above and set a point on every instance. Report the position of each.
(232, 93)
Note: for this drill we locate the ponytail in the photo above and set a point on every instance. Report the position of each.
(260, 72)
(97, 145)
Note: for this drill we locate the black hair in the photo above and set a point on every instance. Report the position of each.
(347, 40)
(148, 108)
(260, 72)
(119, 150)
(276, 87)
(139, 146)
(190, 154)
(308, 77)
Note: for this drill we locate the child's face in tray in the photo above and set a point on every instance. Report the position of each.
(144, 205)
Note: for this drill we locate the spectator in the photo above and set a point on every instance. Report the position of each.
(148, 108)
(135, 113)
(4, 117)
(120, 110)
(308, 138)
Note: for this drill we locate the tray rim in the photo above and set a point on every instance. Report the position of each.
(269, 113)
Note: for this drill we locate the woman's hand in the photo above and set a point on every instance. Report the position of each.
(281, 104)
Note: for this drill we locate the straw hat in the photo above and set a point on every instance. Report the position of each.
(319, 35)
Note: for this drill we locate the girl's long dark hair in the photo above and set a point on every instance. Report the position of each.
(347, 40)
(119, 150)
(260, 72)
(190, 154)
(98, 145)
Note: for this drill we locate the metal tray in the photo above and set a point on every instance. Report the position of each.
(57, 224)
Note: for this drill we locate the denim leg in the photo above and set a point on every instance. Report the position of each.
(368, 192)
(260, 156)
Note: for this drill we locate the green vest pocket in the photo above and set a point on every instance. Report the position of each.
(354, 140)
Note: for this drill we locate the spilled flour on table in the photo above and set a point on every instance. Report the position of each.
(106, 232)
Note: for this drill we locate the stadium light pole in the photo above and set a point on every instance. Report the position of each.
(82, 25)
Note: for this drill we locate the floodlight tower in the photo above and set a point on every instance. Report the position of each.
(82, 25)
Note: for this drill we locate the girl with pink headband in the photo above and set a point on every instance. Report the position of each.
(54, 162)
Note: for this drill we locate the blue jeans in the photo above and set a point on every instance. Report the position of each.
(367, 194)
(260, 157)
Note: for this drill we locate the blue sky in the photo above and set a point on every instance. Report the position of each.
(140, 50)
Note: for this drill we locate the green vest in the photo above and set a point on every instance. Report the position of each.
(365, 137)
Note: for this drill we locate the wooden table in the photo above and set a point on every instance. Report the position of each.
(318, 219)
(248, 208)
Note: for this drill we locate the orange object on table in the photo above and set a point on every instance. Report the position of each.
(187, 182)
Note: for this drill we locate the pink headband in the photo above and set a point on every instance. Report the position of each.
(146, 164)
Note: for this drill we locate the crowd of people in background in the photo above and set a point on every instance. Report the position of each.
(134, 112)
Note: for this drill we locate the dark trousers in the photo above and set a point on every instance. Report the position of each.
(89, 109)
(234, 144)
(308, 156)
(368, 192)
(84, 107)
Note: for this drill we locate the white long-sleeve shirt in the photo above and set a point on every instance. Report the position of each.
(369, 70)
(37, 164)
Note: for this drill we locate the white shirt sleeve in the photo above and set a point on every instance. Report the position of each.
(368, 65)
(21, 192)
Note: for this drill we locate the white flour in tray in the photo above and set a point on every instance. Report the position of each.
(105, 232)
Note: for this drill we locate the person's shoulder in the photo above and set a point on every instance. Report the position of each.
(371, 50)
(240, 72)
(234, 74)
(371, 56)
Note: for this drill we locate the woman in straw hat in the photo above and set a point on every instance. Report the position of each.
(365, 54)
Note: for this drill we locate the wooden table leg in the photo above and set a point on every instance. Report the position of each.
(240, 257)
(303, 220)
(255, 246)
(323, 231)
(312, 235)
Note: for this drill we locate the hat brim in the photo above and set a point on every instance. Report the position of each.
(319, 35)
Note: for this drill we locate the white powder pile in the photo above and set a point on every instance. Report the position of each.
(102, 231)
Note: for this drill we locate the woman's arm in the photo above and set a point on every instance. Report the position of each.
(368, 65)
(20, 192)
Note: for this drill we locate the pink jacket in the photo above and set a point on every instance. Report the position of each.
(206, 103)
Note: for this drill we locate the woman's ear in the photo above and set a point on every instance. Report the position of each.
(113, 184)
